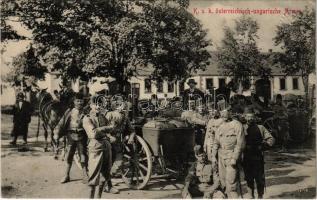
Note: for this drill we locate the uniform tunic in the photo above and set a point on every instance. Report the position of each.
(72, 124)
(122, 128)
(203, 180)
(198, 122)
(99, 149)
(253, 160)
(229, 143)
(281, 120)
(212, 126)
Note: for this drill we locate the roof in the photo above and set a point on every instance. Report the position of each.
(213, 68)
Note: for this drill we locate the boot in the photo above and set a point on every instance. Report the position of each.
(92, 192)
(66, 178)
(85, 174)
(14, 141)
(110, 189)
(100, 189)
(250, 193)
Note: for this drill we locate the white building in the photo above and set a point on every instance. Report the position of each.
(144, 87)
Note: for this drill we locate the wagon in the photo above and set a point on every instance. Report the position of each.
(163, 148)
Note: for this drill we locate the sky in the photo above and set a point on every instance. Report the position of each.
(267, 22)
(214, 23)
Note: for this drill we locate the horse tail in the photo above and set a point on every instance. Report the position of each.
(38, 125)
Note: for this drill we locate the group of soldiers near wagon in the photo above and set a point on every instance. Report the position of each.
(225, 144)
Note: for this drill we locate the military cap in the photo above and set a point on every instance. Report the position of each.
(20, 95)
(79, 95)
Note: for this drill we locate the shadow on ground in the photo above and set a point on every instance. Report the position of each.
(307, 193)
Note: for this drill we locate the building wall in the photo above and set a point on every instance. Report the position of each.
(275, 82)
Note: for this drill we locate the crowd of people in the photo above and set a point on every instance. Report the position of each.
(228, 139)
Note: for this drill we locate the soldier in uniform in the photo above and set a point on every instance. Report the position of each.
(212, 125)
(202, 179)
(281, 119)
(72, 124)
(258, 139)
(123, 129)
(228, 145)
(197, 120)
(99, 148)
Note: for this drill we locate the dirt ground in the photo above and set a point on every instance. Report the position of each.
(35, 174)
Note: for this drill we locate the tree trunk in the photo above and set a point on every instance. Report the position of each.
(305, 83)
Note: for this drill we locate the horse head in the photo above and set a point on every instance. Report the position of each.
(40, 93)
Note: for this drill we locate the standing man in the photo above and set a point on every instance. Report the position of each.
(212, 125)
(281, 119)
(122, 129)
(258, 139)
(72, 124)
(99, 148)
(192, 93)
(197, 121)
(229, 143)
(22, 112)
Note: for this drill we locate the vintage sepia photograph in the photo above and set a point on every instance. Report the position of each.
(158, 99)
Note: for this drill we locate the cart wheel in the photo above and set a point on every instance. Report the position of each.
(137, 164)
(269, 124)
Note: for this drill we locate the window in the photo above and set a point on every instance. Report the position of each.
(160, 86)
(170, 86)
(209, 83)
(282, 84)
(295, 84)
(147, 86)
(222, 82)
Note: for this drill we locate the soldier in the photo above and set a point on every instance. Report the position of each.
(281, 119)
(123, 129)
(202, 179)
(198, 121)
(99, 148)
(228, 144)
(212, 125)
(257, 139)
(72, 124)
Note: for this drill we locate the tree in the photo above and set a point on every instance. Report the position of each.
(162, 35)
(8, 8)
(297, 40)
(26, 68)
(239, 56)
(85, 38)
(174, 41)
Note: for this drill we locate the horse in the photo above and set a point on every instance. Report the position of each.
(50, 112)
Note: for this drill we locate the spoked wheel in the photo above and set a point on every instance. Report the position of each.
(269, 124)
(137, 164)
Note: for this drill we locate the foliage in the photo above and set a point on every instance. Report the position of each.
(85, 38)
(26, 66)
(239, 55)
(298, 42)
(174, 41)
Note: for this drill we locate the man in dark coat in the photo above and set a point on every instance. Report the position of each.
(22, 112)
(192, 94)
(257, 139)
